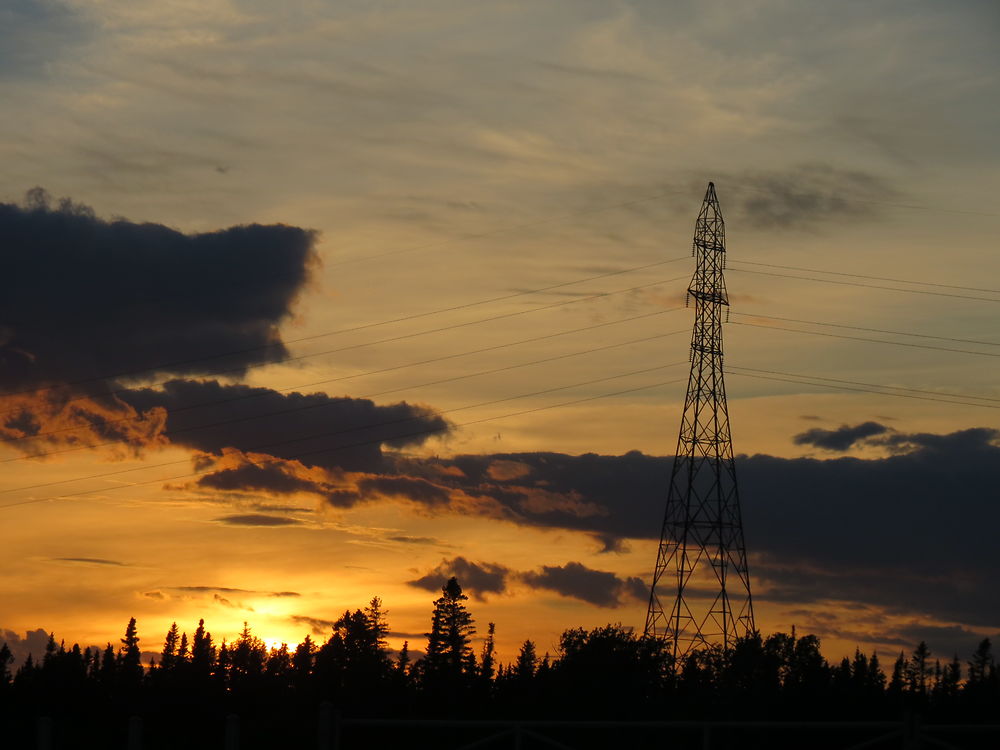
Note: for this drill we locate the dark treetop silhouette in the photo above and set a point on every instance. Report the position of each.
(608, 672)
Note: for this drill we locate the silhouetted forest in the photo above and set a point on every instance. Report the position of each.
(605, 673)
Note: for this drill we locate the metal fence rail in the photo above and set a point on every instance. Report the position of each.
(334, 732)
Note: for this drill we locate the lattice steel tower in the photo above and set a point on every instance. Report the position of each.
(702, 563)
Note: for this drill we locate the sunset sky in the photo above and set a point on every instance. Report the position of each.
(326, 301)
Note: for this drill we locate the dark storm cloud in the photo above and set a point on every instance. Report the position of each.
(842, 438)
(598, 587)
(323, 430)
(414, 489)
(476, 578)
(82, 298)
(573, 580)
(271, 478)
(257, 519)
(803, 197)
(912, 532)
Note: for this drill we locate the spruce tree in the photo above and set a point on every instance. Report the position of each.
(918, 670)
(202, 652)
(487, 659)
(302, 662)
(168, 657)
(527, 662)
(403, 661)
(129, 656)
(6, 659)
(448, 644)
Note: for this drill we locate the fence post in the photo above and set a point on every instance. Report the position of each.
(706, 736)
(324, 728)
(517, 737)
(232, 732)
(135, 733)
(911, 736)
(336, 730)
(43, 733)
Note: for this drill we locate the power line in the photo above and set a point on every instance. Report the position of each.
(865, 276)
(871, 330)
(868, 201)
(364, 326)
(875, 385)
(868, 387)
(872, 341)
(864, 286)
(511, 228)
(402, 337)
(352, 429)
(306, 407)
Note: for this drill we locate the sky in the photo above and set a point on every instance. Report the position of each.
(311, 302)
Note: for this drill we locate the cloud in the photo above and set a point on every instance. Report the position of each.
(227, 590)
(33, 642)
(912, 531)
(35, 423)
(476, 578)
(90, 561)
(257, 519)
(842, 438)
(414, 489)
(407, 539)
(573, 580)
(128, 297)
(33, 34)
(323, 430)
(598, 587)
(803, 197)
(316, 625)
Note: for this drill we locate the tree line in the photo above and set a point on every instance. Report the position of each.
(608, 672)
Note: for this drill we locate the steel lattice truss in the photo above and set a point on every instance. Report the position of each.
(702, 564)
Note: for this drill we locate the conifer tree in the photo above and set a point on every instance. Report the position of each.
(918, 670)
(202, 651)
(168, 657)
(108, 667)
(898, 680)
(527, 662)
(6, 659)
(487, 659)
(302, 661)
(279, 662)
(876, 677)
(129, 656)
(377, 623)
(403, 660)
(982, 663)
(449, 653)
(247, 656)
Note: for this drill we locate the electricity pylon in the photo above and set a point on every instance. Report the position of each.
(702, 562)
